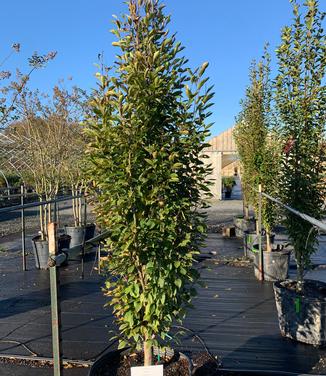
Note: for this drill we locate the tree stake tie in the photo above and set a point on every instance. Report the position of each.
(297, 303)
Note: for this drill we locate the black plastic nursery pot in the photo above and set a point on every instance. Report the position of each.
(63, 242)
(41, 252)
(77, 234)
(90, 231)
(227, 194)
(276, 264)
(302, 315)
(242, 225)
(110, 361)
(41, 249)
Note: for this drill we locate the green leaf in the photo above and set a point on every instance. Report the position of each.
(178, 282)
(122, 345)
(156, 55)
(203, 69)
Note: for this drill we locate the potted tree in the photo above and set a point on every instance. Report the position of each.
(257, 138)
(75, 178)
(300, 98)
(37, 138)
(147, 136)
(250, 134)
(228, 182)
(276, 258)
(243, 139)
(40, 137)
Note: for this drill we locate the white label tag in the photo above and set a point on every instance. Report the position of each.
(147, 371)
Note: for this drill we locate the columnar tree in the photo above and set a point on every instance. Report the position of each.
(257, 143)
(301, 102)
(147, 140)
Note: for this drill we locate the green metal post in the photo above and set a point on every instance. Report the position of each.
(83, 245)
(55, 303)
(22, 214)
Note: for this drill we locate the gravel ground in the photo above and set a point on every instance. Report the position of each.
(222, 212)
(13, 225)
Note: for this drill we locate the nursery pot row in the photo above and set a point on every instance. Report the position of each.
(41, 249)
(72, 237)
(78, 233)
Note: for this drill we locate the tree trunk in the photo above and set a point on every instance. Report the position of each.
(245, 207)
(41, 211)
(246, 211)
(148, 354)
(268, 241)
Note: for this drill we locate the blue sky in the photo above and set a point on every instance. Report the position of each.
(228, 34)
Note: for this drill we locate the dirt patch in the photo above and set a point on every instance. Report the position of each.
(237, 262)
(39, 363)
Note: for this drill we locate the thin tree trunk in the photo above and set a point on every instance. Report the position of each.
(74, 206)
(268, 241)
(80, 210)
(41, 219)
(49, 213)
(246, 212)
(148, 353)
(45, 218)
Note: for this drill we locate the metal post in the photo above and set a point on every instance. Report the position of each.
(22, 214)
(57, 213)
(85, 210)
(261, 253)
(83, 245)
(55, 302)
(55, 210)
(99, 258)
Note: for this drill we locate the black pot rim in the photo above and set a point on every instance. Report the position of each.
(279, 285)
(109, 354)
(283, 252)
(37, 239)
(74, 227)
